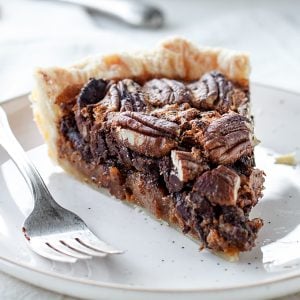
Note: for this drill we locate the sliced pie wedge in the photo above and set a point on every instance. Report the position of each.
(169, 130)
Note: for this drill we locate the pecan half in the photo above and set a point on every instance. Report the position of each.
(145, 134)
(219, 186)
(228, 138)
(92, 92)
(188, 165)
(127, 95)
(212, 92)
(160, 92)
(112, 99)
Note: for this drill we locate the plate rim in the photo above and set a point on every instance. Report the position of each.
(293, 275)
(136, 288)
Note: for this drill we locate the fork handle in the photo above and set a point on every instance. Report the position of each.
(26, 167)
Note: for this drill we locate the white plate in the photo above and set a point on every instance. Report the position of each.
(159, 261)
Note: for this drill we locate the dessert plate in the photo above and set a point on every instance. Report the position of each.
(158, 261)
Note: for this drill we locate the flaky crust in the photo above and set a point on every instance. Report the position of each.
(173, 58)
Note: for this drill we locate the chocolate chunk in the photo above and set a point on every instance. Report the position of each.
(120, 153)
(233, 215)
(70, 131)
(92, 92)
(244, 165)
(219, 186)
(240, 235)
(203, 208)
(183, 211)
(188, 165)
(212, 92)
(194, 212)
(160, 92)
(145, 164)
(228, 138)
(172, 182)
(98, 145)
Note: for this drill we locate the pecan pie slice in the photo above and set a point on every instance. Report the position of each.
(169, 130)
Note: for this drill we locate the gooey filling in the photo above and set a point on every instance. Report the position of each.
(182, 150)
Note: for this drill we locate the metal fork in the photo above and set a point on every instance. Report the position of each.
(134, 13)
(51, 230)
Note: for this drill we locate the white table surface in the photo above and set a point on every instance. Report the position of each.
(40, 33)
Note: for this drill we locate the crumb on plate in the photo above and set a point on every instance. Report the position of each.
(286, 159)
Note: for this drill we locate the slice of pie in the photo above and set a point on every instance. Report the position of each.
(169, 130)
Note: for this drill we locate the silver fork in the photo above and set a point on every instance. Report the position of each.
(51, 230)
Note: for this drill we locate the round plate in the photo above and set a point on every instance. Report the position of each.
(159, 261)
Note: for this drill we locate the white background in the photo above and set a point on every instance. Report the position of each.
(41, 33)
